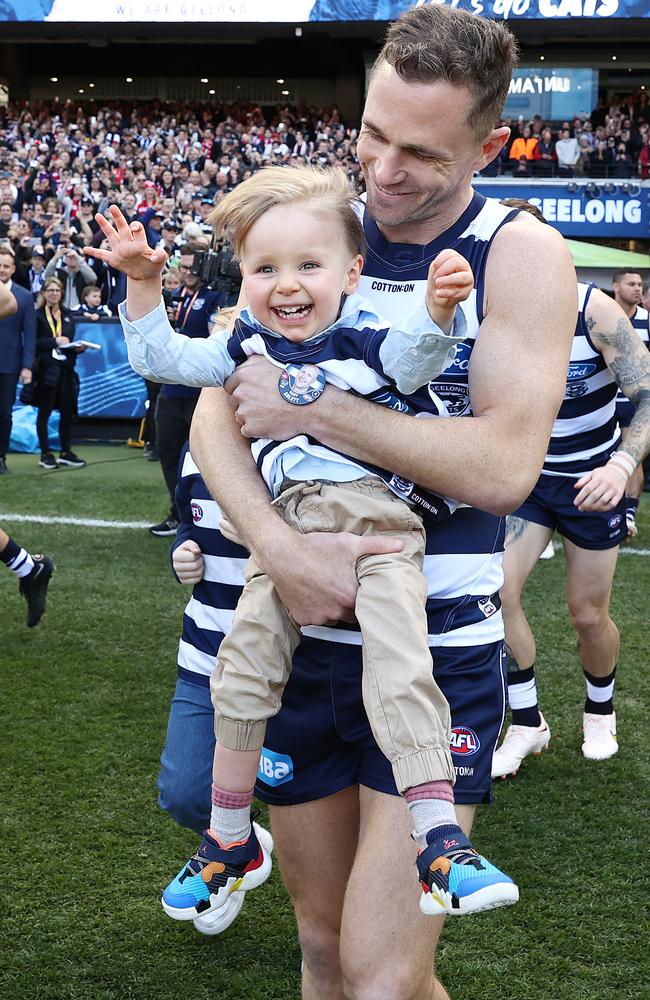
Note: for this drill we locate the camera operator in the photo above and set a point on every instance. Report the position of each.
(191, 313)
(228, 279)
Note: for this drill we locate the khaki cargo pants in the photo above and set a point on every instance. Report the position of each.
(408, 713)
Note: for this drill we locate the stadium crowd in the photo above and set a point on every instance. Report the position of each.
(169, 164)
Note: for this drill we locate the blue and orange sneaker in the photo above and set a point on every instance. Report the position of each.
(213, 873)
(455, 879)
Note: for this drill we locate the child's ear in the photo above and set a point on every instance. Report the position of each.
(353, 275)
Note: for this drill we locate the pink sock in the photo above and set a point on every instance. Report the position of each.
(230, 816)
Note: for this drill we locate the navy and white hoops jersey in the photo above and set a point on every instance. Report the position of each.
(640, 320)
(586, 430)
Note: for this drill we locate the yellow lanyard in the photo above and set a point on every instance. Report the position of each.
(54, 325)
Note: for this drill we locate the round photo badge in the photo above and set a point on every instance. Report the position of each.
(301, 384)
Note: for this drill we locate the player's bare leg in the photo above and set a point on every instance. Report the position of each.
(589, 586)
(529, 733)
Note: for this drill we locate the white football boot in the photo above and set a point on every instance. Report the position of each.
(518, 742)
(600, 736)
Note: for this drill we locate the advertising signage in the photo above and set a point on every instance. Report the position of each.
(300, 11)
(581, 210)
(553, 94)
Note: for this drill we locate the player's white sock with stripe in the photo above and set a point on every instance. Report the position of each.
(600, 693)
(16, 559)
(522, 695)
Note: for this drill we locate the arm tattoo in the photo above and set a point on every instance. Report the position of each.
(515, 527)
(591, 322)
(637, 440)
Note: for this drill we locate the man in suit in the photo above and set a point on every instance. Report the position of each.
(17, 347)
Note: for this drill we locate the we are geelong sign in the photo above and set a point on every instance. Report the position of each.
(297, 11)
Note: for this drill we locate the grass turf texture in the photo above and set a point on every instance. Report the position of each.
(86, 852)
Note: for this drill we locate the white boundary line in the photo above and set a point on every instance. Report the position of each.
(79, 522)
(82, 522)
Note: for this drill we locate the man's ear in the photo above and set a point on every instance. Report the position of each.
(492, 146)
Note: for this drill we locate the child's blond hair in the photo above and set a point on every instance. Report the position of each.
(325, 190)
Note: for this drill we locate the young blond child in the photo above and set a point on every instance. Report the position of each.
(299, 241)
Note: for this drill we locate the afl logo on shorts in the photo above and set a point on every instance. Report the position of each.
(464, 741)
(614, 521)
(197, 512)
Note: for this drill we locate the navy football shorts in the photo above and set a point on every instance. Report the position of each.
(551, 504)
(321, 743)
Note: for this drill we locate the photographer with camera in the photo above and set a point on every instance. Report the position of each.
(191, 312)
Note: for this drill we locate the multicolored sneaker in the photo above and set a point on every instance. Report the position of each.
(212, 874)
(455, 879)
(215, 922)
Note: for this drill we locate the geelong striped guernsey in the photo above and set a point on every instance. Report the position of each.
(586, 430)
(463, 561)
(640, 320)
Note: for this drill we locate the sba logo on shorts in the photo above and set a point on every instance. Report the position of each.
(464, 741)
(275, 768)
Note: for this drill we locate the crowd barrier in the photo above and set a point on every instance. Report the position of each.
(108, 389)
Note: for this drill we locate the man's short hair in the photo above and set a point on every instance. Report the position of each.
(524, 206)
(187, 250)
(618, 275)
(435, 43)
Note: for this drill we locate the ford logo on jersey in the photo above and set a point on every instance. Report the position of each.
(578, 369)
(464, 741)
(275, 768)
(460, 360)
(197, 512)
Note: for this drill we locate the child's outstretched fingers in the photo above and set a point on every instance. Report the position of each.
(128, 250)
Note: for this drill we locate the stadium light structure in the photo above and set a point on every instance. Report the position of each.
(592, 190)
(572, 187)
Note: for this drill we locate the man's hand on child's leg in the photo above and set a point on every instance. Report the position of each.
(187, 561)
(450, 281)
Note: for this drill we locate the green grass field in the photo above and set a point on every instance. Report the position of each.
(83, 708)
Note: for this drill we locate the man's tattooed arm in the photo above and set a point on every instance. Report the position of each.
(628, 359)
(515, 527)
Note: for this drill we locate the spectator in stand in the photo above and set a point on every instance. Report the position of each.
(73, 272)
(91, 305)
(56, 380)
(545, 160)
(623, 165)
(6, 218)
(525, 146)
(523, 168)
(583, 163)
(36, 272)
(17, 346)
(601, 160)
(566, 153)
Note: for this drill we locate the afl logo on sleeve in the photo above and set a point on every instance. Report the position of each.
(197, 512)
(464, 741)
